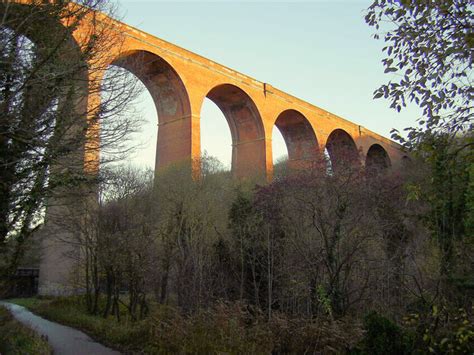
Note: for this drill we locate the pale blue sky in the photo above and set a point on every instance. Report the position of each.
(319, 51)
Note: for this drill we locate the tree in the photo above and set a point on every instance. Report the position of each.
(322, 230)
(447, 191)
(245, 224)
(126, 240)
(50, 84)
(429, 49)
(191, 214)
(116, 241)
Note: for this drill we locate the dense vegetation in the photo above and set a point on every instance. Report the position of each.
(307, 262)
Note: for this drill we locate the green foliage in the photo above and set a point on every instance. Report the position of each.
(324, 300)
(30, 303)
(469, 221)
(443, 330)
(245, 224)
(383, 337)
(240, 211)
(429, 49)
(448, 192)
(18, 339)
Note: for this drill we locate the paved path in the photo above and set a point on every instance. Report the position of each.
(64, 340)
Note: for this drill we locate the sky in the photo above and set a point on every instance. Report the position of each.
(320, 51)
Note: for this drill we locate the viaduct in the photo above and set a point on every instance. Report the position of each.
(179, 81)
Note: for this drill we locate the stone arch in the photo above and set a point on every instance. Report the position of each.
(299, 136)
(377, 159)
(246, 127)
(171, 101)
(342, 150)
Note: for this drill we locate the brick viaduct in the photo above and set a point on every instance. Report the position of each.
(179, 81)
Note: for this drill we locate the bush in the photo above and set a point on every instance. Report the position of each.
(383, 337)
(310, 336)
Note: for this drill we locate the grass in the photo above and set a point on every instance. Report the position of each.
(16, 338)
(30, 303)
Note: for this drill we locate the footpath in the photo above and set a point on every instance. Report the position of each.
(63, 340)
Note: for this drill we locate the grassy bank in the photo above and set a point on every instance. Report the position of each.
(222, 329)
(15, 338)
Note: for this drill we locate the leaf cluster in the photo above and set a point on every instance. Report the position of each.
(429, 52)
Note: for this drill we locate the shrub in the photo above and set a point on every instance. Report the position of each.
(382, 336)
(443, 330)
(222, 329)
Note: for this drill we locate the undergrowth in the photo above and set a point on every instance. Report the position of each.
(235, 328)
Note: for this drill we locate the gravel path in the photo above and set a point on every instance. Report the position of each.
(64, 340)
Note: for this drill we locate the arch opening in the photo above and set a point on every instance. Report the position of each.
(342, 151)
(246, 128)
(327, 162)
(171, 101)
(279, 154)
(299, 137)
(216, 138)
(137, 145)
(377, 159)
